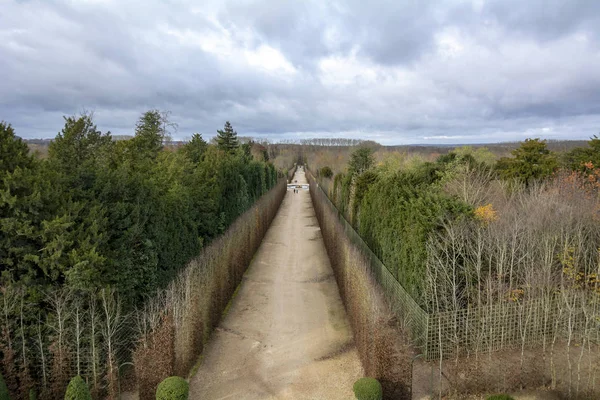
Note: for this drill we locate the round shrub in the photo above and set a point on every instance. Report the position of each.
(499, 397)
(173, 388)
(77, 390)
(3, 389)
(326, 172)
(368, 389)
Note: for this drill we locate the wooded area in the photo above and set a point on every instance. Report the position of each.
(93, 231)
(498, 253)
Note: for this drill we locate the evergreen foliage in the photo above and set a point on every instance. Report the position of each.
(124, 214)
(368, 389)
(173, 388)
(395, 213)
(77, 390)
(499, 397)
(150, 132)
(326, 172)
(3, 389)
(579, 156)
(227, 139)
(79, 146)
(531, 161)
(195, 148)
(361, 160)
(99, 215)
(13, 151)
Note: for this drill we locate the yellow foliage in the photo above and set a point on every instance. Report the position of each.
(486, 214)
(578, 279)
(516, 294)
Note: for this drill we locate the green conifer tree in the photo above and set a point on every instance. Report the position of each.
(79, 143)
(531, 161)
(13, 151)
(195, 148)
(227, 139)
(77, 390)
(150, 132)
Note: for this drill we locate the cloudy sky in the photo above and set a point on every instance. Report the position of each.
(398, 71)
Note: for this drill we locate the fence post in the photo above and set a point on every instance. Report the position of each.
(426, 342)
(412, 372)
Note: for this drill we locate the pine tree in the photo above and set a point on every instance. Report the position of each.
(150, 132)
(227, 139)
(531, 161)
(194, 150)
(13, 151)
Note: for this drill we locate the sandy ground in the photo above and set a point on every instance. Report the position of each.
(286, 335)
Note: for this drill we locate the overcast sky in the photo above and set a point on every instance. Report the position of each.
(397, 71)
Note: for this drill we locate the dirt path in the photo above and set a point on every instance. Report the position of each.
(286, 335)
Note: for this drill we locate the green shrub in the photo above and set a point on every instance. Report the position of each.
(32, 394)
(3, 389)
(173, 388)
(368, 389)
(77, 390)
(499, 397)
(326, 172)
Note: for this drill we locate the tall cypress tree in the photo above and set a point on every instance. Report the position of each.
(227, 139)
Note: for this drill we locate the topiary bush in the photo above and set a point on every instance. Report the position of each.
(368, 389)
(500, 397)
(77, 390)
(173, 388)
(3, 389)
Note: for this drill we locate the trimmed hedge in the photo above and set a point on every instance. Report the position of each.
(368, 389)
(499, 397)
(3, 389)
(77, 390)
(173, 388)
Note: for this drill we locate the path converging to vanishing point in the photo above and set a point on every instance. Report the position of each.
(286, 335)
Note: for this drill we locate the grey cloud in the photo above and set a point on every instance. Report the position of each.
(296, 28)
(394, 32)
(546, 19)
(389, 32)
(514, 71)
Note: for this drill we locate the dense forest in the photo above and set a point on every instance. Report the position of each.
(125, 214)
(94, 230)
